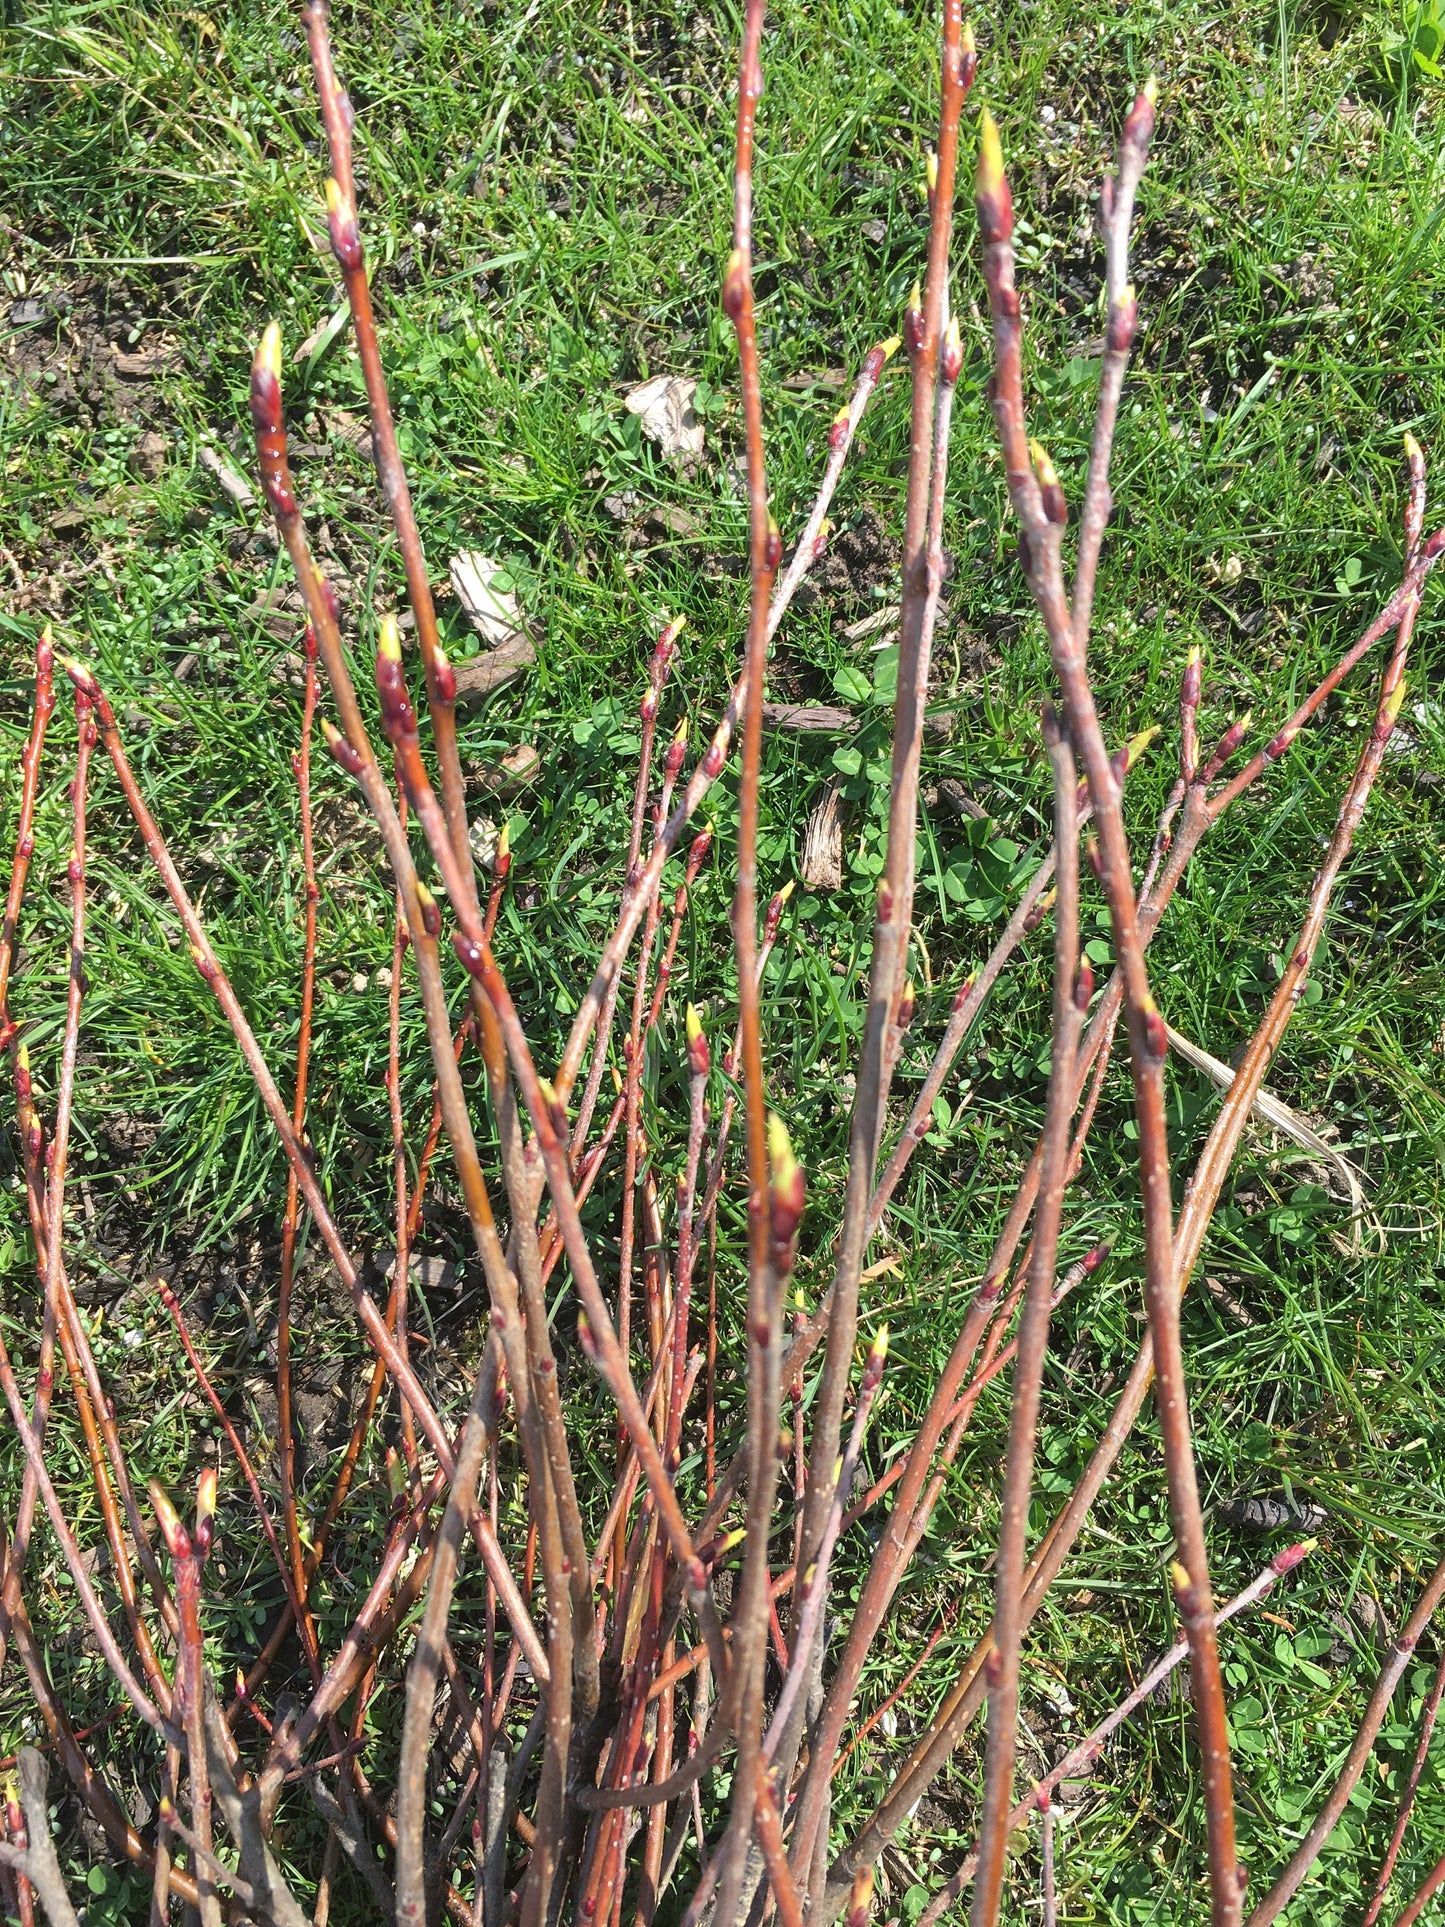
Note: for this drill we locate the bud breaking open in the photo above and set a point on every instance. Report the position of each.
(950, 358)
(340, 749)
(178, 1540)
(699, 1056)
(785, 1195)
(990, 189)
(735, 285)
(913, 320)
(345, 234)
(205, 1510)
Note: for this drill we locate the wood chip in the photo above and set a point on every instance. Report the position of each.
(879, 619)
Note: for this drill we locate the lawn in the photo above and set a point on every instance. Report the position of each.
(546, 201)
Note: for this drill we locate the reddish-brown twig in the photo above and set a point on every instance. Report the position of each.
(1428, 1717)
(1424, 1894)
(764, 1336)
(1323, 1825)
(1071, 1000)
(1038, 502)
(290, 1221)
(1078, 1758)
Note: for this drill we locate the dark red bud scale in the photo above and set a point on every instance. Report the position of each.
(647, 708)
(469, 952)
(913, 329)
(1123, 323)
(341, 750)
(1093, 1259)
(444, 682)
(1139, 122)
(44, 657)
(838, 431)
(1026, 554)
(1092, 857)
(772, 546)
(309, 643)
(25, 846)
(1287, 1560)
(1157, 1033)
(697, 855)
(1056, 508)
(993, 1668)
(712, 762)
(873, 363)
(345, 234)
(1083, 984)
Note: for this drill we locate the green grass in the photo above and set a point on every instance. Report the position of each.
(547, 205)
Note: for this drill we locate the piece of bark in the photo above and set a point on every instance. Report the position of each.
(230, 480)
(809, 718)
(822, 859)
(955, 797)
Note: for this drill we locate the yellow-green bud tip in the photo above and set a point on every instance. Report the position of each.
(388, 639)
(966, 40)
(424, 896)
(787, 890)
(780, 1151)
(694, 1024)
(334, 201)
(915, 299)
(679, 735)
(890, 347)
(1394, 701)
(1138, 744)
(878, 1350)
(953, 335)
(504, 840)
(1150, 90)
(990, 155)
(932, 172)
(1043, 467)
(22, 1057)
(1180, 1575)
(737, 262)
(268, 351)
(1195, 656)
(1412, 449)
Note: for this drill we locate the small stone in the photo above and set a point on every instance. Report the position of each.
(360, 982)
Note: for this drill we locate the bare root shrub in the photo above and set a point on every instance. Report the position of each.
(661, 1618)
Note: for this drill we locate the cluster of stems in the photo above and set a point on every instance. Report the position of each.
(659, 1632)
